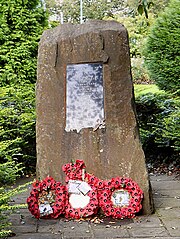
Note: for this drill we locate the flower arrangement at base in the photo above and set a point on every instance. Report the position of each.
(120, 198)
(82, 200)
(47, 198)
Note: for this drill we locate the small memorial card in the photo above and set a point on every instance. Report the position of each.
(78, 187)
(84, 188)
(73, 186)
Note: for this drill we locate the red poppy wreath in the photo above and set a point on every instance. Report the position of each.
(120, 198)
(47, 198)
(82, 200)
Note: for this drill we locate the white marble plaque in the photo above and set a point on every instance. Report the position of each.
(84, 96)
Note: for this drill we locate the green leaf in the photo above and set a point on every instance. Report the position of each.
(140, 9)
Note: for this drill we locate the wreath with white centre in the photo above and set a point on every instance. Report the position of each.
(120, 198)
(47, 198)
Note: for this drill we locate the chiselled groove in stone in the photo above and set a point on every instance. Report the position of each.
(56, 54)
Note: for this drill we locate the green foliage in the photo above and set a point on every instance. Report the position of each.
(159, 122)
(17, 125)
(162, 49)
(144, 89)
(145, 7)
(5, 208)
(91, 9)
(138, 29)
(9, 172)
(139, 72)
(21, 24)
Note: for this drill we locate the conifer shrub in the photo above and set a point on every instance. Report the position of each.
(162, 51)
(159, 123)
(17, 126)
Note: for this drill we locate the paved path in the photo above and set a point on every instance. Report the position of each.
(165, 223)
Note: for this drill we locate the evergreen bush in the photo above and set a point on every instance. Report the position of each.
(17, 125)
(162, 51)
(159, 122)
(21, 25)
(9, 172)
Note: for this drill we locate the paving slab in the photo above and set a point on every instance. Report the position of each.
(151, 232)
(166, 202)
(147, 221)
(169, 213)
(167, 193)
(37, 236)
(166, 185)
(109, 232)
(162, 177)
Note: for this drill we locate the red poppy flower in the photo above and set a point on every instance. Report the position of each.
(80, 164)
(37, 185)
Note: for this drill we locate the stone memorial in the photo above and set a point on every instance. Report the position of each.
(85, 104)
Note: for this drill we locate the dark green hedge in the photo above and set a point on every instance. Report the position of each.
(159, 122)
(162, 51)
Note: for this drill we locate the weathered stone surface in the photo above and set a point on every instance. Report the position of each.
(113, 151)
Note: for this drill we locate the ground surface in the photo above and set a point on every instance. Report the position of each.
(165, 223)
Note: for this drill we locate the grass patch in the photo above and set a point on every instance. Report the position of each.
(142, 89)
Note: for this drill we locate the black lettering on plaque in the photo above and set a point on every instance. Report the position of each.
(84, 96)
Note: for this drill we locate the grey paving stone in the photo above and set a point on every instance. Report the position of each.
(146, 221)
(36, 236)
(174, 232)
(166, 185)
(110, 232)
(166, 202)
(143, 238)
(74, 237)
(168, 213)
(23, 229)
(150, 232)
(20, 218)
(148, 237)
(167, 193)
(74, 229)
(162, 177)
(172, 225)
(52, 228)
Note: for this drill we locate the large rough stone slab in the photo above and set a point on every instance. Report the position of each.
(108, 152)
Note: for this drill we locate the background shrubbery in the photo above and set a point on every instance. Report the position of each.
(21, 25)
(162, 51)
(17, 125)
(159, 121)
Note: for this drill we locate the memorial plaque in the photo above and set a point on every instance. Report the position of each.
(84, 96)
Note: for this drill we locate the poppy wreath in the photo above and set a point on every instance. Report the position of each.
(87, 204)
(74, 171)
(120, 198)
(47, 198)
(91, 207)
